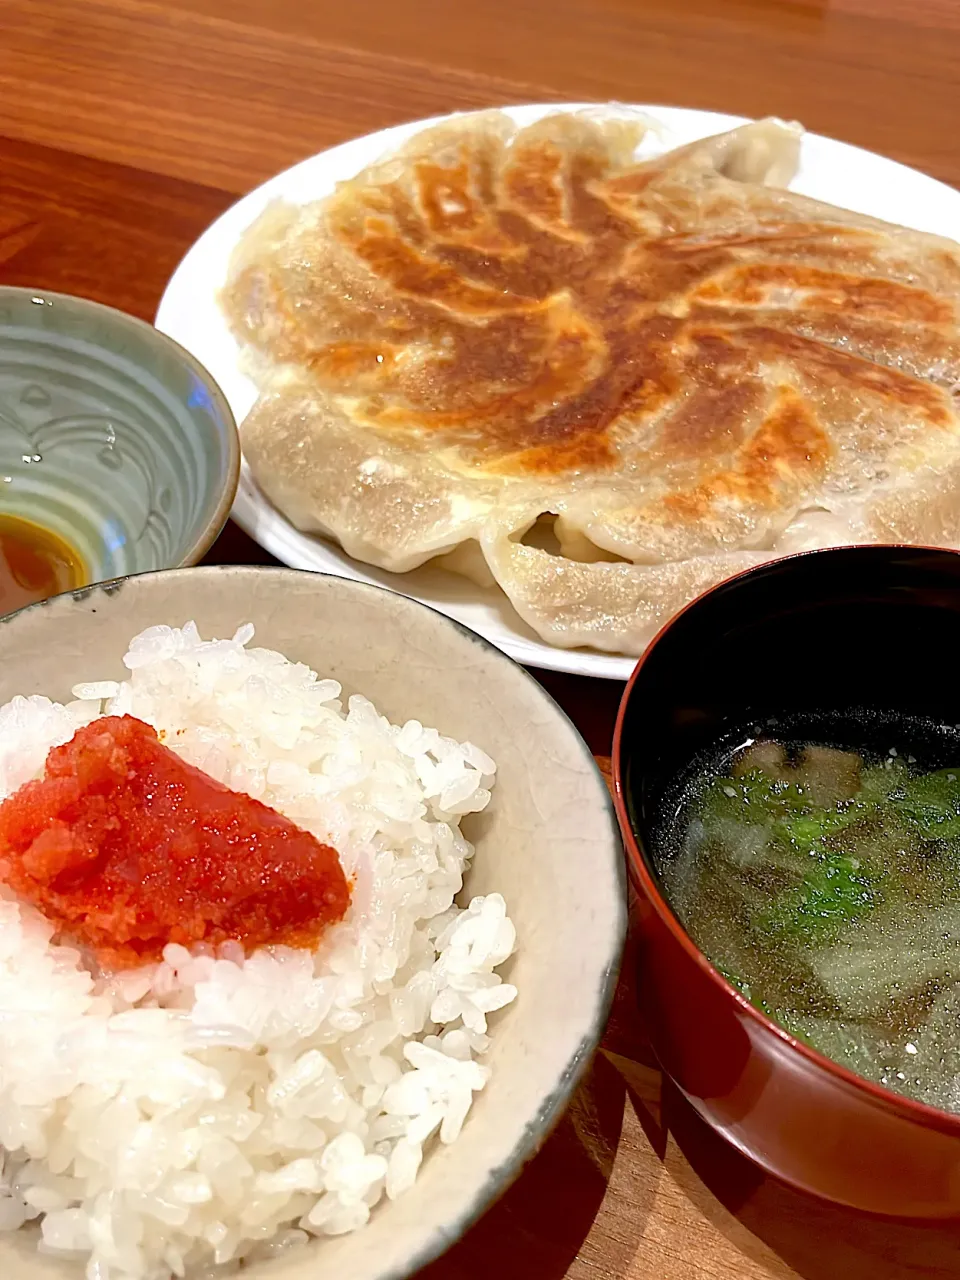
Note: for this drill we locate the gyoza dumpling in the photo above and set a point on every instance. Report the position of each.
(691, 370)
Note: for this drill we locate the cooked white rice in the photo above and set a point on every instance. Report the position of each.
(186, 1115)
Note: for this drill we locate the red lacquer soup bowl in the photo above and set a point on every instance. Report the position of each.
(870, 628)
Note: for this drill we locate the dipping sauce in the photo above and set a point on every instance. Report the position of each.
(125, 847)
(34, 564)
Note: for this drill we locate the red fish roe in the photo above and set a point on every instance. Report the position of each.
(125, 847)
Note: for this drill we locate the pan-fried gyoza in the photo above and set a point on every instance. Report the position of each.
(681, 366)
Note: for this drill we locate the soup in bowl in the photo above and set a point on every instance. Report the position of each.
(787, 763)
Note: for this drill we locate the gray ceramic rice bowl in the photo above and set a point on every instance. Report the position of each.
(548, 842)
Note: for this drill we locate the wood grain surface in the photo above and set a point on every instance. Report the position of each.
(126, 127)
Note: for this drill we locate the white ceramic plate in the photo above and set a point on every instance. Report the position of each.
(829, 170)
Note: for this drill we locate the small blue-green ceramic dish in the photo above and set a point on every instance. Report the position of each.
(112, 437)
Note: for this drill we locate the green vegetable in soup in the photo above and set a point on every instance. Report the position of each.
(753, 798)
(880, 781)
(835, 891)
(932, 804)
(809, 828)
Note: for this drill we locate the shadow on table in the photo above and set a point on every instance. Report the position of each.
(537, 1228)
(815, 1239)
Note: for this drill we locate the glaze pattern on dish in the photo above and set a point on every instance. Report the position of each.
(110, 442)
(109, 437)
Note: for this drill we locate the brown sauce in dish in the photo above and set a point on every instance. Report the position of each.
(34, 564)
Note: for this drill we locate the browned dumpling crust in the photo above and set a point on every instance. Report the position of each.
(687, 368)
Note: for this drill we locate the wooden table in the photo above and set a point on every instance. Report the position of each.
(126, 126)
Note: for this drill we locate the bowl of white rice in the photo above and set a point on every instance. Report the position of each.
(347, 1107)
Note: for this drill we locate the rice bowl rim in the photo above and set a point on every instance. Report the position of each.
(539, 1127)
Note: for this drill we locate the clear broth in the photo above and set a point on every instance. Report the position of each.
(824, 883)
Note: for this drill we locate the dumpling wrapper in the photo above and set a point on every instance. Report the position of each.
(692, 369)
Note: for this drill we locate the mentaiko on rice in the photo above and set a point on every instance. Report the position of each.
(220, 1105)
